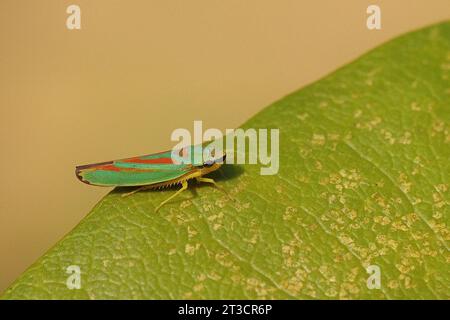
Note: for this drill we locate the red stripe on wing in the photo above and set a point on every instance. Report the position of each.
(108, 167)
(112, 167)
(149, 161)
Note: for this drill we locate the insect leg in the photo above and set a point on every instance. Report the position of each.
(136, 190)
(184, 187)
(209, 180)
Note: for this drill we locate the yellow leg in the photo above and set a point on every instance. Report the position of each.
(209, 180)
(184, 186)
(136, 190)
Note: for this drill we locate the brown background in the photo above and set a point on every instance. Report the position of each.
(139, 69)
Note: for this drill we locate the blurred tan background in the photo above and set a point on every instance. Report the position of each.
(139, 69)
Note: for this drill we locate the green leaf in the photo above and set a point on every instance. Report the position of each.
(363, 180)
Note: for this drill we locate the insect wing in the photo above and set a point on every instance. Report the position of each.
(136, 171)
